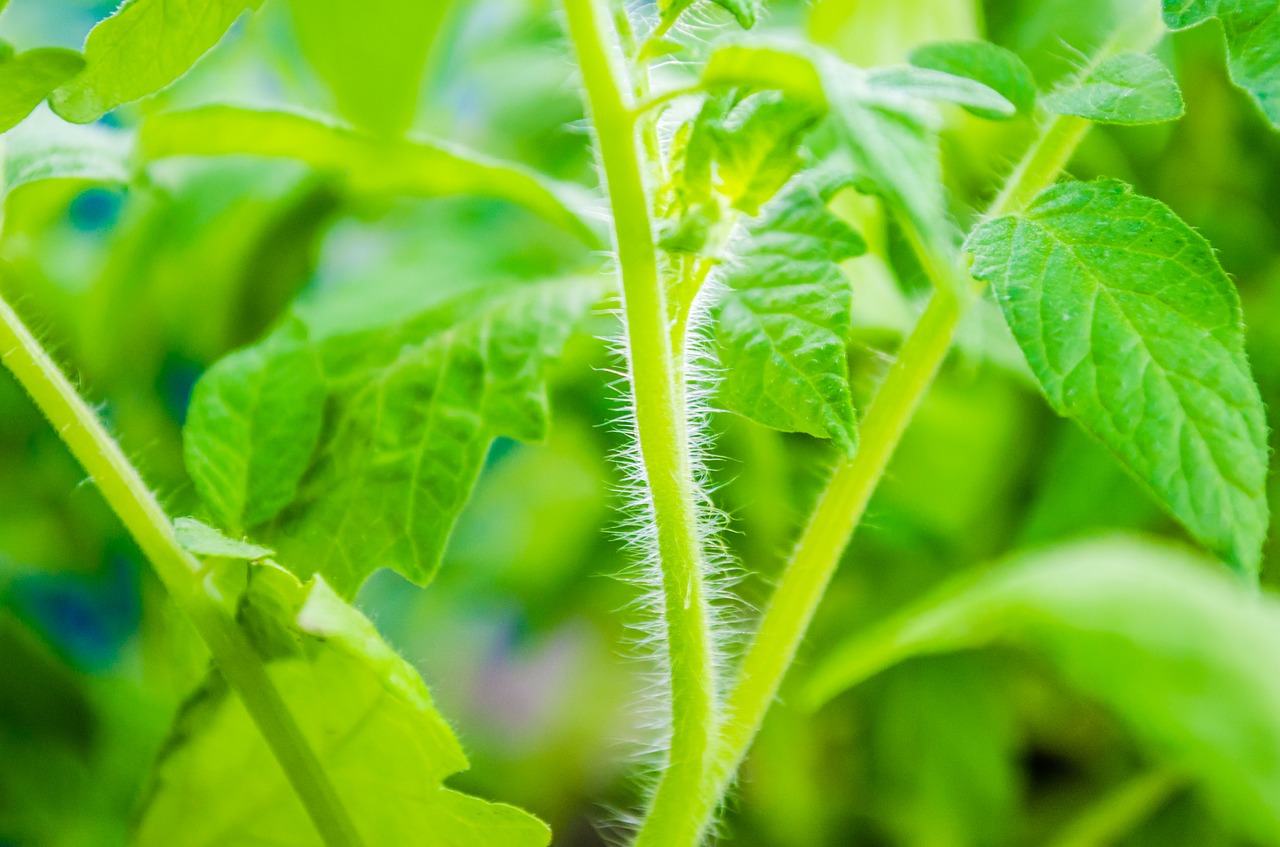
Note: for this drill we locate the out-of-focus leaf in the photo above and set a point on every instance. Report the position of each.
(411, 410)
(782, 323)
(1185, 656)
(893, 141)
(43, 147)
(203, 540)
(371, 54)
(765, 66)
(961, 783)
(1131, 88)
(1252, 29)
(253, 426)
(40, 697)
(140, 49)
(941, 87)
(873, 34)
(73, 748)
(999, 69)
(367, 163)
(27, 78)
(1133, 330)
(365, 712)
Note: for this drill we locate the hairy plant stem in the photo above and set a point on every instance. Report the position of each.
(662, 431)
(842, 504)
(183, 576)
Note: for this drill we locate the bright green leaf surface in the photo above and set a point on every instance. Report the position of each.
(252, 427)
(1252, 29)
(782, 324)
(745, 12)
(1185, 656)
(1133, 330)
(27, 78)
(368, 163)
(756, 147)
(366, 713)
(413, 411)
(141, 48)
(883, 119)
(1131, 88)
(995, 67)
(370, 54)
(203, 540)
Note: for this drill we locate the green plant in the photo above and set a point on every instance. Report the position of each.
(324, 449)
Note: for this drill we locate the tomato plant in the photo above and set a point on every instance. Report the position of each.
(916, 288)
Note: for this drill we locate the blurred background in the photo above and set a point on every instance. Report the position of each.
(524, 637)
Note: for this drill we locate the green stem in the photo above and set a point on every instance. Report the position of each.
(181, 573)
(828, 532)
(663, 436)
(844, 501)
(1058, 140)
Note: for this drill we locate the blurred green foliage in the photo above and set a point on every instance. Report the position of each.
(141, 284)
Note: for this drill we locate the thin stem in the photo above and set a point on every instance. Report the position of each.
(828, 532)
(844, 501)
(1059, 138)
(663, 435)
(180, 572)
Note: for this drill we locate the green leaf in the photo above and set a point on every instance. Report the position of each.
(960, 784)
(1252, 29)
(745, 12)
(1133, 330)
(757, 147)
(28, 77)
(201, 539)
(253, 426)
(410, 411)
(1130, 88)
(940, 87)
(1184, 655)
(370, 54)
(43, 147)
(999, 69)
(368, 164)
(783, 320)
(893, 141)
(882, 118)
(751, 143)
(365, 712)
(764, 66)
(140, 49)
(690, 209)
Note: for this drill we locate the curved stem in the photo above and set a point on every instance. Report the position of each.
(180, 572)
(662, 432)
